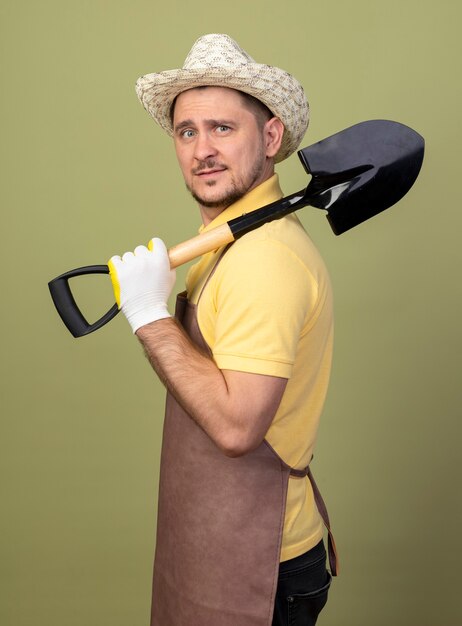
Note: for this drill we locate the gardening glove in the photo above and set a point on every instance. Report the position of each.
(142, 283)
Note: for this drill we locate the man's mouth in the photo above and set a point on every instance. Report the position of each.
(211, 172)
(208, 169)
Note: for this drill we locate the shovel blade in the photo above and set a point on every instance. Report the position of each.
(362, 170)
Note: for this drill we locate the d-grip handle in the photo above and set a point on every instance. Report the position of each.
(67, 306)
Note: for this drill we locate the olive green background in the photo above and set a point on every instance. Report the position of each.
(86, 174)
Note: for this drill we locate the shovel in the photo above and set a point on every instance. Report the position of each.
(356, 174)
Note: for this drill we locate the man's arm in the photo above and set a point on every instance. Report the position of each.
(235, 409)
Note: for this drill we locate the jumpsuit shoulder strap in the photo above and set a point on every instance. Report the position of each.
(212, 272)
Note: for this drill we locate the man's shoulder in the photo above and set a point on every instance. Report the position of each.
(283, 241)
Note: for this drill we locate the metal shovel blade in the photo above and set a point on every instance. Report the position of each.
(362, 170)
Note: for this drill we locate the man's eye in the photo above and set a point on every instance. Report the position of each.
(222, 128)
(187, 133)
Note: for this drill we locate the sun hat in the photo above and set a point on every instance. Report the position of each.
(217, 60)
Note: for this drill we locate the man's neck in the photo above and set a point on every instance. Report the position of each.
(208, 214)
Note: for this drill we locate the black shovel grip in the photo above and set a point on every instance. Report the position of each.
(67, 306)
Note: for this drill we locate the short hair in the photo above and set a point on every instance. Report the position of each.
(255, 106)
(261, 111)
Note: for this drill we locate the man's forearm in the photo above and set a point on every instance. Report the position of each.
(235, 409)
(193, 379)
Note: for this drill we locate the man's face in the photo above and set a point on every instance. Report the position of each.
(220, 147)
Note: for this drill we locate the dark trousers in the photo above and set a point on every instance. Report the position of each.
(302, 589)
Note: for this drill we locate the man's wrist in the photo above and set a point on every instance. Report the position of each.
(146, 331)
(144, 310)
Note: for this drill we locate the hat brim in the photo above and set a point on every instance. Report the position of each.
(278, 90)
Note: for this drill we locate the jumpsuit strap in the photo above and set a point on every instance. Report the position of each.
(332, 549)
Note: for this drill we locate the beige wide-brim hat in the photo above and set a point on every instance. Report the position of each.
(217, 60)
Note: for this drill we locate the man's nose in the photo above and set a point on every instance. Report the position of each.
(204, 147)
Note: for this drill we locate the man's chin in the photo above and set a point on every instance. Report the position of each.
(217, 200)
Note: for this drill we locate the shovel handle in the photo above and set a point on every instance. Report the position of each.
(199, 245)
(67, 307)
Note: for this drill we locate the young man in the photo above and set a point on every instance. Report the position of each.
(246, 362)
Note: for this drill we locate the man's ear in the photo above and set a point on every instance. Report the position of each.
(274, 130)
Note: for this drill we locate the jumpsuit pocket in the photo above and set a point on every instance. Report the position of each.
(304, 608)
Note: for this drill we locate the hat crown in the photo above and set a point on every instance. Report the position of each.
(216, 50)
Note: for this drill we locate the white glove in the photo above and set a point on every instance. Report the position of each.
(142, 283)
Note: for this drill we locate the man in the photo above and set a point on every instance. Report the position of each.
(247, 362)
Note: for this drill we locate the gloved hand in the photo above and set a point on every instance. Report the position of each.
(142, 283)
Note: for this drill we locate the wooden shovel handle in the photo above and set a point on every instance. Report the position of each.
(199, 245)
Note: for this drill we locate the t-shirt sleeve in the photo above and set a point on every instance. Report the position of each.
(264, 296)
